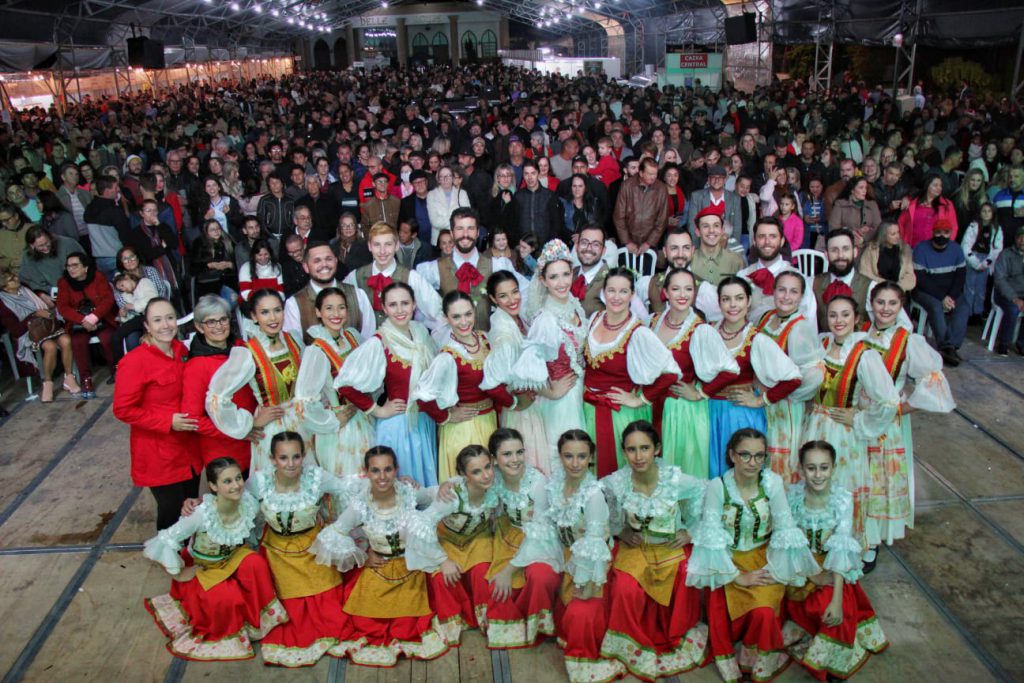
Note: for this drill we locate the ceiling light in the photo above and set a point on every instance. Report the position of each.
(384, 4)
(275, 12)
(597, 5)
(291, 20)
(257, 9)
(235, 6)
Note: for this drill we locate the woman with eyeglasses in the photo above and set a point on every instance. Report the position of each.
(746, 550)
(86, 303)
(207, 352)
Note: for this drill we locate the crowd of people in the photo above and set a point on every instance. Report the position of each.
(543, 356)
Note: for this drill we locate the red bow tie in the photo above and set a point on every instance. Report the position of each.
(579, 288)
(377, 283)
(836, 288)
(764, 279)
(468, 277)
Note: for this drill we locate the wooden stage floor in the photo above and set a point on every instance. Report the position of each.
(72, 578)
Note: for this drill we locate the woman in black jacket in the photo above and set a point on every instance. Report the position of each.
(213, 265)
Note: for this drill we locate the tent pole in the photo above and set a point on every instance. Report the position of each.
(1017, 88)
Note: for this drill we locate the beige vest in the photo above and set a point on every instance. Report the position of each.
(363, 273)
(305, 299)
(446, 273)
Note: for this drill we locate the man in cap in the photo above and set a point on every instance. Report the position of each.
(415, 205)
(382, 205)
(716, 195)
(941, 270)
(712, 262)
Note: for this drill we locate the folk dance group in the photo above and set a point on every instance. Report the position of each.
(655, 495)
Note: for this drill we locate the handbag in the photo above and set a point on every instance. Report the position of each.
(41, 327)
(87, 307)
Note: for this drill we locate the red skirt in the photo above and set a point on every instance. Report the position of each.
(838, 651)
(761, 653)
(581, 626)
(527, 615)
(383, 639)
(651, 639)
(219, 624)
(463, 605)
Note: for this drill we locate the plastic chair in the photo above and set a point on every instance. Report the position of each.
(922, 321)
(995, 318)
(642, 264)
(810, 262)
(13, 360)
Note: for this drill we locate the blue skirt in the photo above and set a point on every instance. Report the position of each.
(726, 419)
(416, 447)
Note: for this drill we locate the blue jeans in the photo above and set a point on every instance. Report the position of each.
(974, 290)
(1009, 321)
(107, 265)
(949, 328)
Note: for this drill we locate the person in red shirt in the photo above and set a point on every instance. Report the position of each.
(86, 303)
(147, 397)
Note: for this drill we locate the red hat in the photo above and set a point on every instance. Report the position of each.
(712, 210)
(942, 224)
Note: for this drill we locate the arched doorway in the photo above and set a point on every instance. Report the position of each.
(420, 49)
(469, 41)
(488, 45)
(340, 54)
(321, 56)
(440, 48)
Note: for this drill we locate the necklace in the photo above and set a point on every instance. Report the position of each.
(674, 326)
(613, 327)
(729, 336)
(473, 350)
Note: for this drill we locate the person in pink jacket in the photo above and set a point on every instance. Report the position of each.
(925, 211)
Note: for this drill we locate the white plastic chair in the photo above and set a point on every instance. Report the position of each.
(185, 321)
(642, 264)
(810, 262)
(13, 360)
(995, 318)
(922, 320)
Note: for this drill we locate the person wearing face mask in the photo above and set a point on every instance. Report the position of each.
(941, 269)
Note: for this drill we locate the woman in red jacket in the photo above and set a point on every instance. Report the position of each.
(207, 352)
(86, 303)
(147, 397)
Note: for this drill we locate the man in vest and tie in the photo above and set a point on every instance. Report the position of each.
(300, 310)
(467, 269)
(766, 266)
(841, 277)
(588, 277)
(677, 252)
(372, 278)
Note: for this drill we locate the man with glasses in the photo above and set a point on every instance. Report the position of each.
(588, 276)
(293, 252)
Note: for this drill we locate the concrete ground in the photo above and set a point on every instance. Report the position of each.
(72, 578)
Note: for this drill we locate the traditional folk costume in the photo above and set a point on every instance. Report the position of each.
(685, 425)
(388, 606)
(890, 505)
(392, 361)
(825, 651)
(311, 592)
(339, 448)
(454, 378)
(654, 629)
(230, 601)
(506, 337)
(582, 524)
(856, 378)
(634, 361)
(524, 539)
(459, 531)
(759, 358)
(796, 336)
(741, 536)
(271, 376)
(553, 350)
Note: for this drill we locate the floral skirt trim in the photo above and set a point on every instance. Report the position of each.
(583, 670)
(758, 665)
(502, 635)
(295, 657)
(432, 644)
(823, 656)
(648, 664)
(173, 621)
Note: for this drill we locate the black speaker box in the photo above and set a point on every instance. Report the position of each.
(741, 29)
(146, 52)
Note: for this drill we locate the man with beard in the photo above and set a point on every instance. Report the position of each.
(300, 311)
(766, 265)
(941, 269)
(372, 278)
(842, 277)
(678, 253)
(467, 269)
(588, 276)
